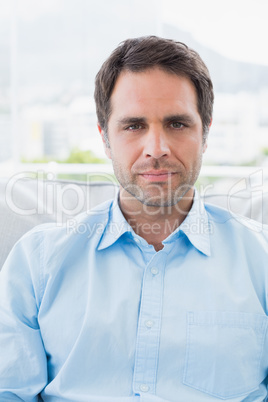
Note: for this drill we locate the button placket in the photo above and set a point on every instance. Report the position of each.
(148, 334)
(149, 323)
(154, 270)
(144, 388)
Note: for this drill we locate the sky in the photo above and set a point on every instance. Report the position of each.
(236, 28)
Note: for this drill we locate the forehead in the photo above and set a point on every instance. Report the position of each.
(153, 89)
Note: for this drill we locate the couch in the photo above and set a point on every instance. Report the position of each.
(27, 202)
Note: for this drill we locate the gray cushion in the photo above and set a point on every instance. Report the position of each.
(25, 203)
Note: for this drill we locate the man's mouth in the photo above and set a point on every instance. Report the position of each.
(157, 175)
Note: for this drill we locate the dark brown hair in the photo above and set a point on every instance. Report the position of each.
(147, 52)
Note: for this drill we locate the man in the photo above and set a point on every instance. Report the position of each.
(167, 300)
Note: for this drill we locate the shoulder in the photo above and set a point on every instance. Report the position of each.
(54, 237)
(50, 251)
(233, 225)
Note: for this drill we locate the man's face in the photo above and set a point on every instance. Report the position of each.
(155, 136)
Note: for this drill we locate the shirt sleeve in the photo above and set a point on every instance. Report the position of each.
(23, 363)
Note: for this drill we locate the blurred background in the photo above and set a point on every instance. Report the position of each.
(51, 50)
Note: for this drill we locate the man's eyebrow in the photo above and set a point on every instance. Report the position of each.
(131, 120)
(182, 118)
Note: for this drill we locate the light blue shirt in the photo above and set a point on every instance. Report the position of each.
(90, 312)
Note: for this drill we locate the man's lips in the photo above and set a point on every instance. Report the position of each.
(157, 175)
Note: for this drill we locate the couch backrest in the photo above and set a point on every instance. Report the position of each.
(25, 203)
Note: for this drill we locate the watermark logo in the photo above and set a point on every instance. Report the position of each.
(196, 227)
(62, 200)
(28, 195)
(251, 191)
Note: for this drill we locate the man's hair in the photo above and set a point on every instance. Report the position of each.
(140, 54)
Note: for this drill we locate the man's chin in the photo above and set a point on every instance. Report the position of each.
(156, 196)
(158, 201)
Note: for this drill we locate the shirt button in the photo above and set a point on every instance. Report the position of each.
(137, 240)
(154, 270)
(144, 388)
(149, 323)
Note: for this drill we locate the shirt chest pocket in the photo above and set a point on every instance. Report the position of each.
(223, 352)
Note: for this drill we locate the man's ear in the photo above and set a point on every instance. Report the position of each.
(105, 141)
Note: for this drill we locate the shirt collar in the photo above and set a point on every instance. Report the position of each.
(195, 226)
(116, 226)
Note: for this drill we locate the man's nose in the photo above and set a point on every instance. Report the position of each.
(156, 144)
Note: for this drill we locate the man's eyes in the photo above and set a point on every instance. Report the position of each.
(177, 125)
(134, 127)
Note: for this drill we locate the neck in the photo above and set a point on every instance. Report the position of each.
(154, 223)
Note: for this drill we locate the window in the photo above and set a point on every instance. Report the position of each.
(51, 50)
